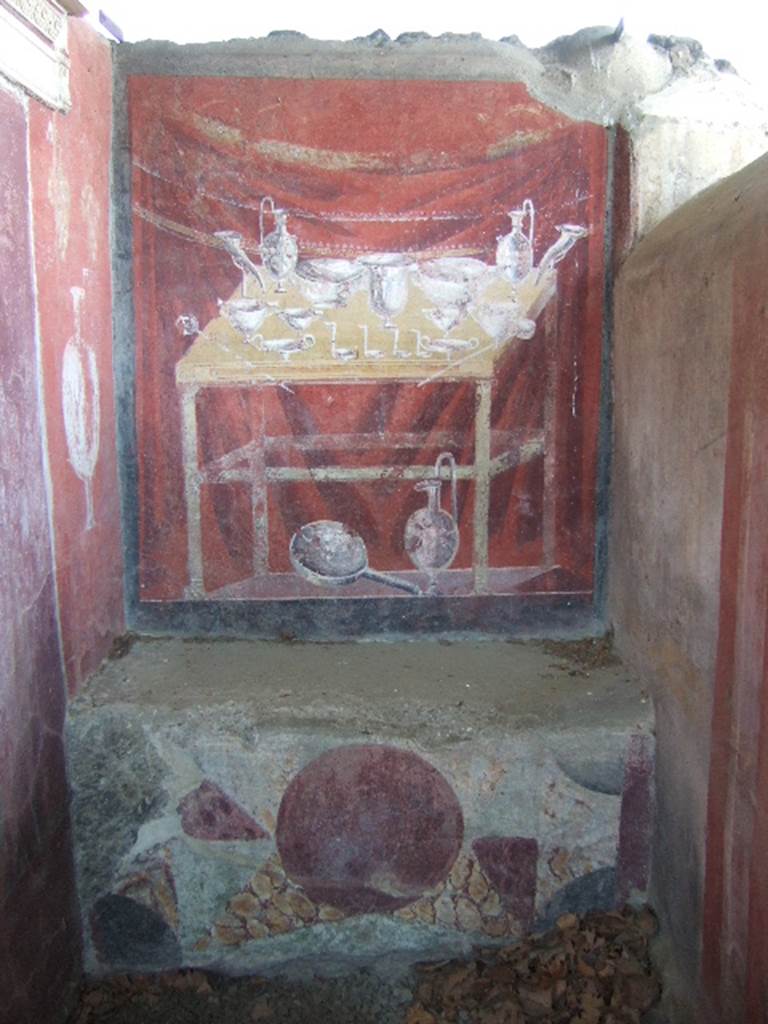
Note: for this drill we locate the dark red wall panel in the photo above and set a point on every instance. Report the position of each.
(735, 948)
(239, 448)
(39, 929)
(70, 165)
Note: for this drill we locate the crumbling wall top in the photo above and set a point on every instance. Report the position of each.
(598, 74)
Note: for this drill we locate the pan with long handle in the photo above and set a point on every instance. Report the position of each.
(329, 554)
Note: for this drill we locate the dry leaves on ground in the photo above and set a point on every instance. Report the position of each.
(593, 970)
(589, 970)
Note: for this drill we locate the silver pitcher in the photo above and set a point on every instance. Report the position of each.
(431, 538)
(514, 252)
(279, 250)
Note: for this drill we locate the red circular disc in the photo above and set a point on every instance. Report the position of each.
(368, 828)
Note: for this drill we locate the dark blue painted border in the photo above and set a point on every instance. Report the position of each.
(534, 615)
(605, 428)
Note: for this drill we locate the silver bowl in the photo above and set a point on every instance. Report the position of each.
(245, 315)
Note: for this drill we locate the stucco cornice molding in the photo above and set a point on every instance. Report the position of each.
(33, 49)
(45, 16)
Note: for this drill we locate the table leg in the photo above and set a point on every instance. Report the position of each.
(195, 588)
(482, 484)
(549, 525)
(259, 520)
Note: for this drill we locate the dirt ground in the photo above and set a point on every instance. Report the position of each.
(590, 970)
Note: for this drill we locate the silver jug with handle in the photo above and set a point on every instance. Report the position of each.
(279, 250)
(431, 533)
(514, 252)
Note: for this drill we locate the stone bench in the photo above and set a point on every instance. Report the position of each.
(242, 806)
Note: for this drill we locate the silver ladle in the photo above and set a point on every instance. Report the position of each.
(330, 554)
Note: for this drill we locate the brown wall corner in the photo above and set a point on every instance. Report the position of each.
(673, 339)
(624, 215)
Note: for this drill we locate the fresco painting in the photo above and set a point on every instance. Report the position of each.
(425, 847)
(80, 407)
(368, 335)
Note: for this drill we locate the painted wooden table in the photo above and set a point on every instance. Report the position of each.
(221, 357)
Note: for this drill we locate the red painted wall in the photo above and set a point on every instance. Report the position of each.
(60, 582)
(70, 167)
(39, 930)
(405, 180)
(689, 578)
(735, 964)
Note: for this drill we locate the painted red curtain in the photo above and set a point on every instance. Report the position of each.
(361, 166)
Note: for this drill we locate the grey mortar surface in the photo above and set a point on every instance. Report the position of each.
(430, 689)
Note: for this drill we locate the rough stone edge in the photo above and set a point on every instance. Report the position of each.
(552, 73)
(597, 74)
